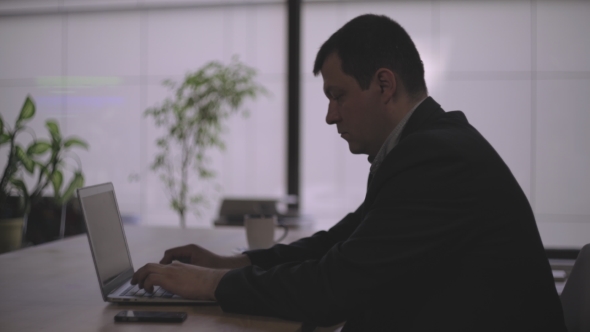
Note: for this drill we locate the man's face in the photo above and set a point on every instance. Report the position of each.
(358, 115)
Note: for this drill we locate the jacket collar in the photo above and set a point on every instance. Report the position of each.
(425, 111)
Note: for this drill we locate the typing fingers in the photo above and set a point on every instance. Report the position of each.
(140, 275)
(155, 279)
(179, 253)
(185, 280)
(168, 277)
(169, 255)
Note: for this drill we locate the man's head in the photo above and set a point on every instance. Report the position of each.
(369, 42)
(372, 75)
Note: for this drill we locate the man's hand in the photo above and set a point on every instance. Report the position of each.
(188, 281)
(196, 255)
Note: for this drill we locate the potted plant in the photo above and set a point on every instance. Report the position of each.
(193, 119)
(43, 161)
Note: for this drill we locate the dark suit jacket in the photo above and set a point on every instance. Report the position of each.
(445, 240)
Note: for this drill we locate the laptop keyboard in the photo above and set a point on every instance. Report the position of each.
(135, 291)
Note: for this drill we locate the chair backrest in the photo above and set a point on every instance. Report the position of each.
(575, 298)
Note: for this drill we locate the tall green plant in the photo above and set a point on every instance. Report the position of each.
(193, 119)
(43, 160)
(15, 161)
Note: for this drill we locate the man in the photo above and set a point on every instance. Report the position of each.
(445, 239)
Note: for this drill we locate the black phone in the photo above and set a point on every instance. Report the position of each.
(150, 316)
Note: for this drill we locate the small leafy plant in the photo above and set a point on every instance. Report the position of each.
(42, 160)
(193, 119)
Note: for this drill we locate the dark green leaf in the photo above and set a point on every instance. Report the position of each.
(75, 141)
(77, 182)
(1, 126)
(25, 160)
(38, 148)
(42, 167)
(53, 128)
(4, 138)
(27, 112)
(56, 181)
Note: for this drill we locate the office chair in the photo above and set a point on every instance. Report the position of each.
(575, 298)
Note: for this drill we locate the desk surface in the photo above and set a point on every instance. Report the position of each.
(53, 287)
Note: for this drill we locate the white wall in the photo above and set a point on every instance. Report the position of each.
(518, 69)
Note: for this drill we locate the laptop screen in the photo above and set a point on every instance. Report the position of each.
(105, 229)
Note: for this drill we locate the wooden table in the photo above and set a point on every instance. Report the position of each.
(53, 287)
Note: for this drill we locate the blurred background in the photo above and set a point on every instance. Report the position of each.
(520, 71)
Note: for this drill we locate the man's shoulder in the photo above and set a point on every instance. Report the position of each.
(447, 137)
(445, 130)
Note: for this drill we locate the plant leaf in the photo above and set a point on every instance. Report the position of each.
(56, 181)
(53, 128)
(38, 148)
(4, 138)
(20, 185)
(25, 160)
(1, 126)
(77, 182)
(27, 112)
(42, 167)
(75, 141)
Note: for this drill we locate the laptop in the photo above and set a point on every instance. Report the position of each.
(110, 251)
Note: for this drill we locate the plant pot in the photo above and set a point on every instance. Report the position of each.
(11, 234)
(49, 221)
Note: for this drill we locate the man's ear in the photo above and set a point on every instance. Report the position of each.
(387, 83)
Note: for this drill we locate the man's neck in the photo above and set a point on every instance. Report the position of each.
(391, 140)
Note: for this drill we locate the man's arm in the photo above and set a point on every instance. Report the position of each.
(196, 255)
(208, 268)
(313, 247)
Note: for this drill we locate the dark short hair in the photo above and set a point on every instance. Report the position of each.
(369, 42)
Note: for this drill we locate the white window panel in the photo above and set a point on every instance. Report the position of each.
(563, 231)
(562, 35)
(179, 41)
(258, 35)
(108, 119)
(31, 46)
(271, 39)
(563, 152)
(486, 35)
(254, 161)
(104, 44)
(239, 30)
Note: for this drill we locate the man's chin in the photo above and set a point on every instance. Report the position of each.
(355, 149)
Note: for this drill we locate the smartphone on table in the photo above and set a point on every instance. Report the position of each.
(150, 316)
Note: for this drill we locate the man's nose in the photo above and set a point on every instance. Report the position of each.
(333, 115)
